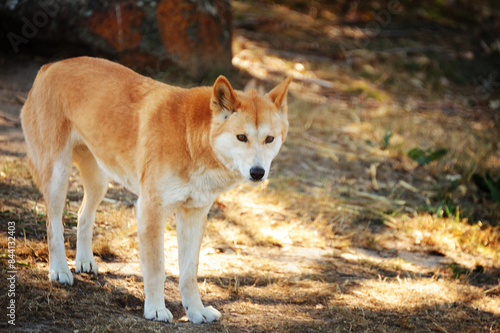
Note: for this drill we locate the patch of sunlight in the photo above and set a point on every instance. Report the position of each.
(450, 235)
(407, 261)
(406, 294)
(488, 303)
(250, 199)
(115, 232)
(363, 88)
(403, 294)
(277, 235)
(119, 268)
(265, 217)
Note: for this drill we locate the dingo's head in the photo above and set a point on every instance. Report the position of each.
(248, 129)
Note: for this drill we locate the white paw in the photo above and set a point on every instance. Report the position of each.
(86, 266)
(203, 315)
(161, 314)
(63, 276)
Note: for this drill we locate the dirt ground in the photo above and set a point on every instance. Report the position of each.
(349, 234)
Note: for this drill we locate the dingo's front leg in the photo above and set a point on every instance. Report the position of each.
(151, 225)
(191, 224)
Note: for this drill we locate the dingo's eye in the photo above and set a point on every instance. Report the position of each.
(269, 139)
(242, 137)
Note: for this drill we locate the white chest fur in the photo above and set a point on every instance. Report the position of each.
(200, 190)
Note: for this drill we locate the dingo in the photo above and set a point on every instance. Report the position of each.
(177, 149)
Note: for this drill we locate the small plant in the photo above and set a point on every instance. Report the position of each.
(488, 185)
(448, 209)
(387, 138)
(424, 157)
(459, 271)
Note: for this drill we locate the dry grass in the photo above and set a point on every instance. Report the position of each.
(349, 234)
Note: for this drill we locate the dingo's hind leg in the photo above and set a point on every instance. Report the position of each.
(49, 146)
(55, 197)
(95, 183)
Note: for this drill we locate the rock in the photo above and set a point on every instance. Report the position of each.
(196, 35)
(192, 34)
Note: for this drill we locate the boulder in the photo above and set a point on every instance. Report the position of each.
(192, 34)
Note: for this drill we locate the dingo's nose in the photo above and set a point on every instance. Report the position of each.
(257, 173)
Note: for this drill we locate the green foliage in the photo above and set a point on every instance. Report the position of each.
(5, 256)
(425, 157)
(387, 138)
(488, 185)
(444, 209)
(459, 271)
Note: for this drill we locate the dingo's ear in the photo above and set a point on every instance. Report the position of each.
(279, 93)
(224, 98)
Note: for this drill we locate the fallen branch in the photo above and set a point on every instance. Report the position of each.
(299, 56)
(364, 53)
(21, 99)
(9, 119)
(378, 198)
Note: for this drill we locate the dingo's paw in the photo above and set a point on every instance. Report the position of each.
(203, 315)
(86, 266)
(63, 276)
(162, 314)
